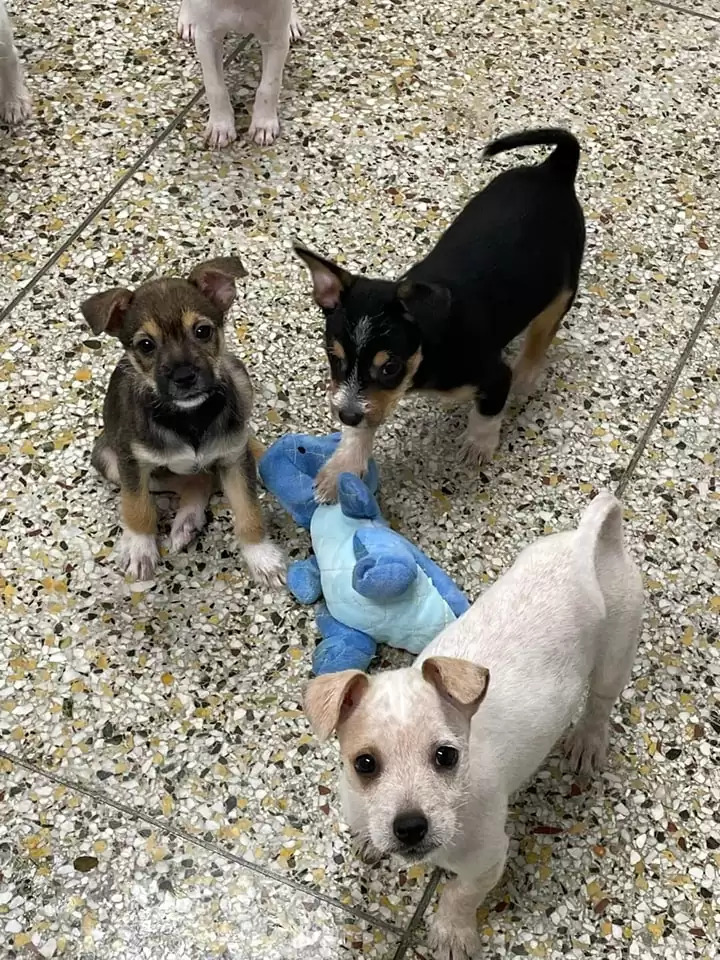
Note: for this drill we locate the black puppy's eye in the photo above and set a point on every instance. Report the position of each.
(391, 368)
(365, 764)
(145, 345)
(203, 331)
(446, 757)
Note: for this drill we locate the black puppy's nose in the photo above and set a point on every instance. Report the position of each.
(184, 375)
(351, 418)
(410, 828)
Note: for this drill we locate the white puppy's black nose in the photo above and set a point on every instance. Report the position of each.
(410, 828)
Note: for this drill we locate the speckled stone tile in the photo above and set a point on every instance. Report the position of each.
(105, 79)
(81, 879)
(184, 699)
(705, 8)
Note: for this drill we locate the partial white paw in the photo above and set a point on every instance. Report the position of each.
(267, 563)
(185, 29)
(586, 747)
(16, 108)
(481, 438)
(525, 379)
(220, 131)
(452, 941)
(264, 130)
(327, 479)
(186, 524)
(138, 554)
(296, 30)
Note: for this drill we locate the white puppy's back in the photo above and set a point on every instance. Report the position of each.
(538, 630)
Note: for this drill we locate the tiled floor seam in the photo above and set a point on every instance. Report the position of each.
(687, 11)
(668, 391)
(107, 198)
(168, 828)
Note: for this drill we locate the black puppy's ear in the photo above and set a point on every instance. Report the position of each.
(105, 312)
(216, 279)
(329, 280)
(428, 304)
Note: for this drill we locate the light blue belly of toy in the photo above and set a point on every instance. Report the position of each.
(409, 621)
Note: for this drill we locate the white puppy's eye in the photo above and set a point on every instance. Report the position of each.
(365, 765)
(446, 757)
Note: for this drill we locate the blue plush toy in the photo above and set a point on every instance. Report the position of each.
(377, 587)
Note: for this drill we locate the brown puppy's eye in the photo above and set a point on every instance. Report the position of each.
(365, 765)
(146, 346)
(204, 331)
(391, 368)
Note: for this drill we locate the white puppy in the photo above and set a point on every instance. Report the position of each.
(427, 770)
(274, 23)
(14, 96)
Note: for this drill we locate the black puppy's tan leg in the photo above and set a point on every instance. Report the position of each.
(264, 558)
(195, 492)
(483, 429)
(351, 456)
(538, 338)
(138, 547)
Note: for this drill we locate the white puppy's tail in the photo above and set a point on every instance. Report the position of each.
(599, 546)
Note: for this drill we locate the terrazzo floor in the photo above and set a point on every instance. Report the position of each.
(160, 794)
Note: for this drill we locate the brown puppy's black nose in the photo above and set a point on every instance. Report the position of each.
(351, 418)
(183, 375)
(410, 828)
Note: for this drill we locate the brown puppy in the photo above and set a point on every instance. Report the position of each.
(176, 414)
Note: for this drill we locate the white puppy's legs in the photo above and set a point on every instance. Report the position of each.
(14, 96)
(265, 125)
(220, 130)
(185, 25)
(454, 934)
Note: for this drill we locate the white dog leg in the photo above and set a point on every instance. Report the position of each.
(265, 125)
(296, 30)
(220, 130)
(14, 96)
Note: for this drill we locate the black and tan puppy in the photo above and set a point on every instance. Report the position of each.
(176, 415)
(508, 263)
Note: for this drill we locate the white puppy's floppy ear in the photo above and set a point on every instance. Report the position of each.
(330, 698)
(460, 681)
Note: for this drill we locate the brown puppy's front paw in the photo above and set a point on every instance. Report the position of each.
(139, 554)
(186, 524)
(266, 562)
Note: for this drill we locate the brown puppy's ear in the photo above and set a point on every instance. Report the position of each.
(216, 279)
(105, 312)
(428, 304)
(329, 280)
(460, 681)
(329, 699)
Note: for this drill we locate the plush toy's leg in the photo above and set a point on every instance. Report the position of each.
(303, 580)
(341, 648)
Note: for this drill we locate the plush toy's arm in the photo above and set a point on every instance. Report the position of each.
(342, 648)
(385, 566)
(303, 580)
(447, 588)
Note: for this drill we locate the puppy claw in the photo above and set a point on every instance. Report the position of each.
(185, 29)
(296, 30)
(220, 133)
(586, 748)
(451, 941)
(17, 108)
(264, 131)
(476, 452)
(266, 562)
(365, 851)
(139, 554)
(186, 524)
(326, 484)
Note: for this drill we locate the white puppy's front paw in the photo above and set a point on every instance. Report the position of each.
(220, 131)
(16, 108)
(186, 524)
(264, 130)
(452, 941)
(296, 30)
(139, 554)
(586, 747)
(266, 562)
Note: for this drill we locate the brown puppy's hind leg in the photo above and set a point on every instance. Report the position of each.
(538, 338)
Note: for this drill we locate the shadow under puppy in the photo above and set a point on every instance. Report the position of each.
(431, 753)
(176, 414)
(508, 263)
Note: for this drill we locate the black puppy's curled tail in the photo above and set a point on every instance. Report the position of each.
(564, 159)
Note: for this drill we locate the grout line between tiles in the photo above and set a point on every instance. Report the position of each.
(112, 193)
(181, 834)
(689, 13)
(417, 917)
(667, 392)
